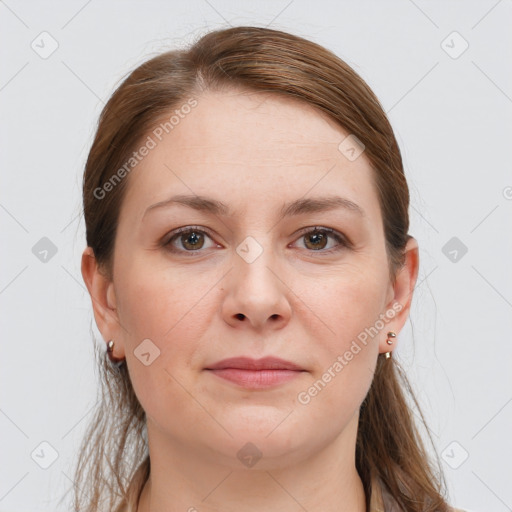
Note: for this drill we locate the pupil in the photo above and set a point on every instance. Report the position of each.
(192, 239)
(316, 237)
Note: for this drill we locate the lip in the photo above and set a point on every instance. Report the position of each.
(248, 363)
(256, 373)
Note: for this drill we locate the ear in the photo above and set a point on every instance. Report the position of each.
(101, 290)
(400, 295)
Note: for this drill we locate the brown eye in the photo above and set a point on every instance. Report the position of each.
(192, 240)
(187, 240)
(316, 240)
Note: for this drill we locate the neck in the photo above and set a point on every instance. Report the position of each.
(183, 479)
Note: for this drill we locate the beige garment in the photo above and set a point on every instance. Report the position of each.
(381, 501)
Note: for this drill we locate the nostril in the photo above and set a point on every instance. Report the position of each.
(240, 316)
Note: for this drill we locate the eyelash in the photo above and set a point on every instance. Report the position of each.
(343, 242)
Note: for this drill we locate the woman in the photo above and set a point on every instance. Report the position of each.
(250, 268)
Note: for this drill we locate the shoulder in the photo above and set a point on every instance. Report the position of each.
(453, 509)
(381, 502)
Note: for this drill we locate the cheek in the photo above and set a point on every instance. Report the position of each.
(170, 311)
(349, 302)
(350, 307)
(159, 303)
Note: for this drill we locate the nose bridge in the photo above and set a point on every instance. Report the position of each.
(257, 294)
(253, 260)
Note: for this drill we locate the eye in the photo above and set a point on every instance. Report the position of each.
(317, 239)
(190, 238)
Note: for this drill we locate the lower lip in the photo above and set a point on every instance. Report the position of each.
(256, 379)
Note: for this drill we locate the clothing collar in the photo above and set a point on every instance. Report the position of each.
(376, 499)
(380, 499)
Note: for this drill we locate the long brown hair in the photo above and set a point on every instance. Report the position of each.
(113, 463)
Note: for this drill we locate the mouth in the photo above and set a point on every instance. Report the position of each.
(255, 373)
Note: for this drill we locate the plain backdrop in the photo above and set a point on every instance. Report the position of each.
(442, 71)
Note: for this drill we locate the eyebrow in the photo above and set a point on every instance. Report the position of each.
(297, 207)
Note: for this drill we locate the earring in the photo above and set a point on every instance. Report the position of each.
(110, 353)
(389, 341)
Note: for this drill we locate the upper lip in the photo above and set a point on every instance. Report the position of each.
(248, 363)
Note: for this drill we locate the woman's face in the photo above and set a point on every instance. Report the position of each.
(248, 281)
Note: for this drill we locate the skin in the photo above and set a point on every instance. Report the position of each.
(254, 152)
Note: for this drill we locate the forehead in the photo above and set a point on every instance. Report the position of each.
(234, 121)
(247, 146)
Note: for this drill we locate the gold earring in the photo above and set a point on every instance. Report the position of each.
(389, 341)
(110, 353)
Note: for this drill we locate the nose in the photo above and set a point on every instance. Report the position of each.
(257, 296)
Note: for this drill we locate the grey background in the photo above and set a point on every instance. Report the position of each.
(451, 111)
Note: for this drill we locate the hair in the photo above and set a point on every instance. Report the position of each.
(113, 463)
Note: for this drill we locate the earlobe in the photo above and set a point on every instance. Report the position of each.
(101, 291)
(402, 294)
